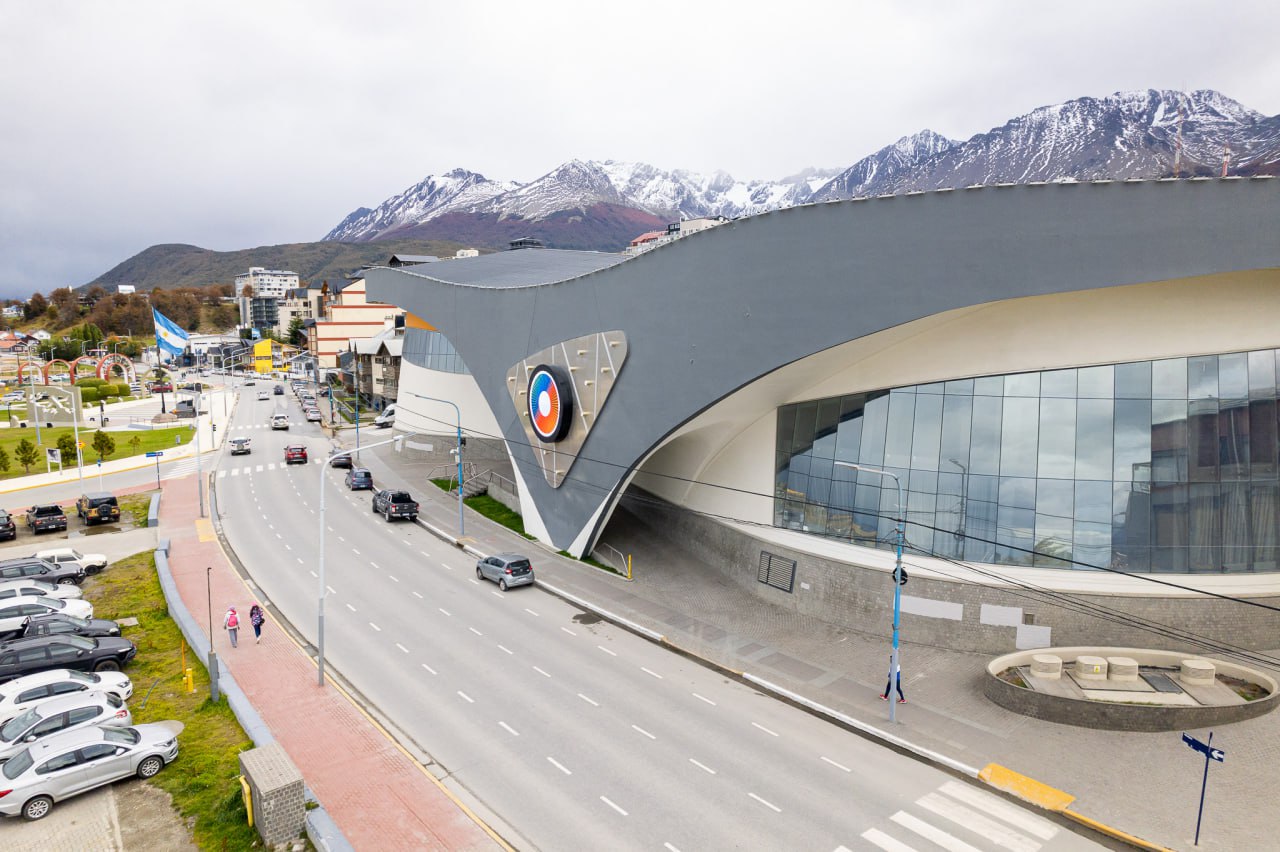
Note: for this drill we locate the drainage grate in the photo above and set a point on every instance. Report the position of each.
(1160, 682)
(777, 572)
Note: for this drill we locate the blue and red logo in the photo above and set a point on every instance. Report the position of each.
(550, 403)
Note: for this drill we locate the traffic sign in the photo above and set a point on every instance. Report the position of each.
(1204, 748)
(155, 455)
(80, 444)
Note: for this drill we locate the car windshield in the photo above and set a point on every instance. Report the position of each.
(83, 677)
(80, 643)
(17, 764)
(77, 554)
(52, 603)
(15, 726)
(518, 564)
(129, 736)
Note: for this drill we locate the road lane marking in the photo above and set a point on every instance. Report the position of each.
(588, 700)
(447, 566)
(313, 574)
(928, 832)
(473, 630)
(995, 806)
(965, 817)
(406, 541)
(350, 607)
(402, 648)
(329, 528)
(885, 842)
(428, 668)
(837, 765)
(558, 765)
(567, 630)
(703, 767)
(271, 526)
(424, 553)
(418, 596)
(287, 547)
(510, 730)
(495, 593)
(769, 805)
(300, 562)
(647, 671)
(531, 612)
(468, 698)
(541, 672)
(394, 578)
(279, 536)
(331, 591)
(606, 650)
(445, 611)
(668, 846)
(473, 581)
(700, 698)
(504, 648)
(763, 728)
(356, 552)
(374, 566)
(341, 539)
(605, 799)
(643, 731)
(375, 627)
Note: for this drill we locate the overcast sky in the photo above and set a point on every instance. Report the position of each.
(237, 124)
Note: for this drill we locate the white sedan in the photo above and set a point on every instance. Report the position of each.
(23, 692)
(263, 396)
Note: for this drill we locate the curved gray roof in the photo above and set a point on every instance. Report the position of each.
(521, 268)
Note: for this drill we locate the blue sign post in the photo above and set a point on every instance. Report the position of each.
(156, 455)
(1210, 753)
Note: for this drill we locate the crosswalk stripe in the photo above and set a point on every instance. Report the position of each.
(258, 469)
(998, 807)
(929, 832)
(998, 833)
(271, 466)
(885, 842)
(235, 471)
(221, 474)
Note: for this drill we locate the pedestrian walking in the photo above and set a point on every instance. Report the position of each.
(256, 618)
(231, 624)
(888, 684)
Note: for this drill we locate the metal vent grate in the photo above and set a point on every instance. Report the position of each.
(777, 572)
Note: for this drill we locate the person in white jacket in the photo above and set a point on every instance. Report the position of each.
(231, 624)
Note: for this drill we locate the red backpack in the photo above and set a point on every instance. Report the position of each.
(233, 621)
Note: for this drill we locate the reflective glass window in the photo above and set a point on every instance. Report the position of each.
(897, 442)
(1132, 460)
(1169, 379)
(828, 418)
(960, 387)
(1202, 377)
(1262, 374)
(1233, 376)
(1058, 383)
(984, 451)
(1018, 436)
(957, 420)
(1093, 438)
(988, 386)
(1057, 447)
(849, 433)
(1022, 384)
(1133, 381)
(1096, 382)
(875, 415)
(1262, 439)
(927, 432)
(1202, 440)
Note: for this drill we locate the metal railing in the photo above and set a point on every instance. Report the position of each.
(624, 560)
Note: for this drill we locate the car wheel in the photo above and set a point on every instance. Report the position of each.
(107, 666)
(37, 808)
(65, 581)
(479, 573)
(150, 766)
(387, 515)
(502, 584)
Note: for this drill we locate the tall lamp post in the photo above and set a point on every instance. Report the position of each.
(461, 530)
(897, 580)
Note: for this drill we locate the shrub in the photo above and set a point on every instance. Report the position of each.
(93, 382)
(108, 391)
(90, 395)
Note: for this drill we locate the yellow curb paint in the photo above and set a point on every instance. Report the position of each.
(1115, 832)
(204, 529)
(1027, 789)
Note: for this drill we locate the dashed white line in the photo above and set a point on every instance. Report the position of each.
(837, 765)
(649, 672)
(567, 630)
(531, 612)
(668, 846)
(473, 581)
(428, 668)
(350, 607)
(769, 805)
(468, 698)
(606, 650)
(643, 731)
(341, 539)
(375, 627)
(496, 593)
(703, 767)
(356, 552)
(279, 536)
(510, 730)
(763, 728)
(331, 591)
(402, 648)
(447, 566)
(416, 595)
(442, 609)
(313, 574)
(406, 541)
(300, 562)
(373, 565)
(605, 799)
(541, 672)
(424, 553)
(394, 578)
(473, 630)
(558, 765)
(287, 547)
(700, 698)
(588, 700)
(508, 650)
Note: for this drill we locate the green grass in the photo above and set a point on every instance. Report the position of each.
(148, 441)
(137, 506)
(202, 780)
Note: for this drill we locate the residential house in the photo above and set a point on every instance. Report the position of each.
(346, 314)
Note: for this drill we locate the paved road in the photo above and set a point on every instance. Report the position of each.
(574, 733)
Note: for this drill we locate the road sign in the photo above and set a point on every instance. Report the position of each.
(155, 455)
(80, 444)
(1204, 748)
(53, 454)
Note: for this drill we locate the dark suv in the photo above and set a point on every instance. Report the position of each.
(98, 507)
(359, 479)
(47, 518)
(19, 657)
(8, 529)
(395, 504)
(60, 622)
(30, 568)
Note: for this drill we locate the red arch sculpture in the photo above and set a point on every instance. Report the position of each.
(48, 369)
(115, 359)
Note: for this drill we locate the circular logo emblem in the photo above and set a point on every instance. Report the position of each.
(550, 403)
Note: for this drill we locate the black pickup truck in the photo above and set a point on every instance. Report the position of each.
(395, 504)
(46, 518)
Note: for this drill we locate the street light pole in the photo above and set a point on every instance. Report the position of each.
(213, 656)
(461, 530)
(894, 667)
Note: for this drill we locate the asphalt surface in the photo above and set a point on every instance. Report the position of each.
(574, 733)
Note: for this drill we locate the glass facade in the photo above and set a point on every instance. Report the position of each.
(1154, 466)
(431, 349)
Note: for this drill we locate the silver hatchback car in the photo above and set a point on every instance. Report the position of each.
(506, 569)
(73, 762)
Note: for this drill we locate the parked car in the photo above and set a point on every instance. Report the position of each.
(240, 446)
(395, 504)
(16, 611)
(63, 651)
(46, 518)
(74, 762)
(280, 421)
(8, 529)
(13, 396)
(27, 691)
(37, 589)
(29, 567)
(506, 569)
(359, 479)
(61, 622)
(64, 713)
(295, 453)
(314, 415)
(341, 461)
(98, 507)
(92, 563)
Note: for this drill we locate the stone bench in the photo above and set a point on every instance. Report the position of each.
(1047, 666)
(1198, 673)
(1089, 667)
(1122, 669)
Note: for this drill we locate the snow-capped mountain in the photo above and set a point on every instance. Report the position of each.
(602, 205)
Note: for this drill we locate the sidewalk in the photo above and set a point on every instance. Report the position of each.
(1145, 784)
(379, 797)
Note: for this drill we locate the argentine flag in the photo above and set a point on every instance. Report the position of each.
(170, 337)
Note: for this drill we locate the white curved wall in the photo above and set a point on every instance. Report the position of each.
(436, 418)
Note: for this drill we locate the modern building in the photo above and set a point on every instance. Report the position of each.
(1068, 390)
(302, 303)
(273, 283)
